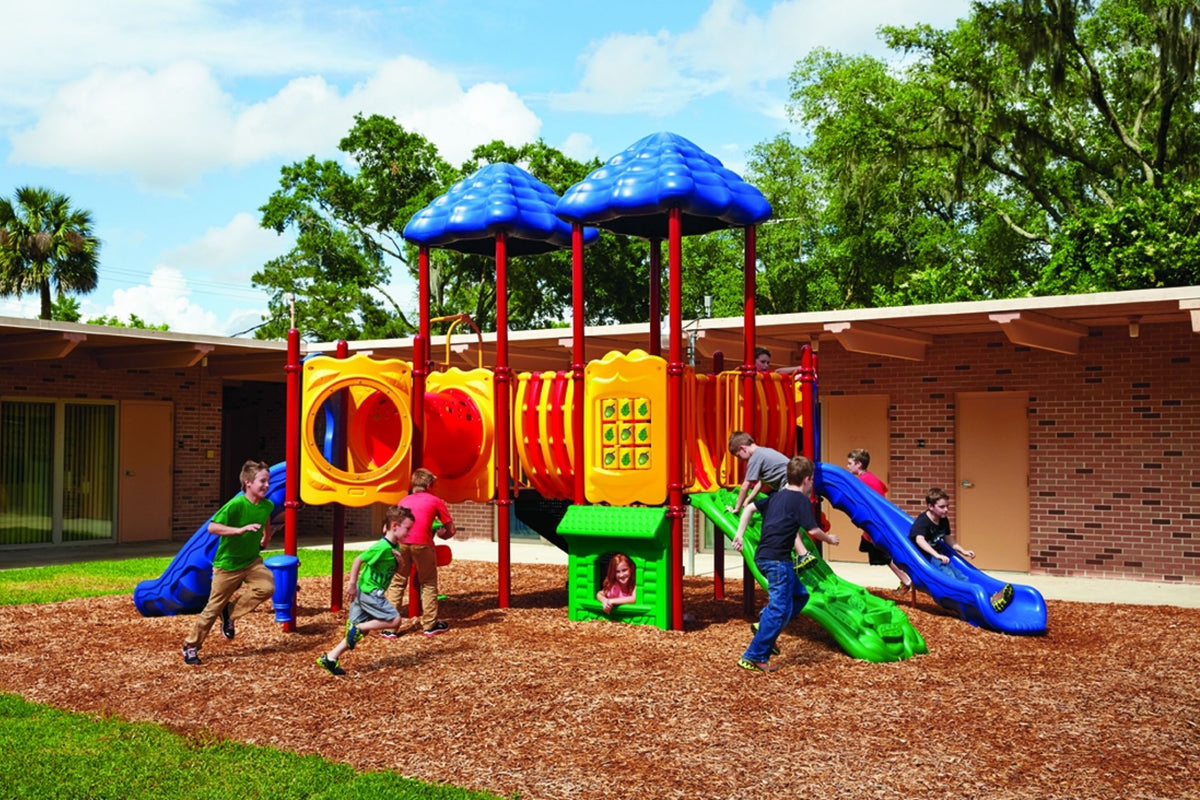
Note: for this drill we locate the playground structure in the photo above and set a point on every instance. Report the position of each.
(623, 439)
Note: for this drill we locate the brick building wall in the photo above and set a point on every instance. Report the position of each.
(202, 427)
(1114, 440)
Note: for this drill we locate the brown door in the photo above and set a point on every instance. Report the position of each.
(847, 422)
(990, 505)
(145, 488)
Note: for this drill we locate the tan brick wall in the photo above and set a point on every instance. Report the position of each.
(1114, 437)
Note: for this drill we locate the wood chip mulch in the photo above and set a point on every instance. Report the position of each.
(525, 701)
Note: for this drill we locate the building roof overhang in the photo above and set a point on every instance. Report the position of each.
(1055, 324)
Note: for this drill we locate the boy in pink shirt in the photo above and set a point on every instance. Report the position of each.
(418, 549)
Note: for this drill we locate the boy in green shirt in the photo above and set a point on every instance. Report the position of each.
(244, 527)
(370, 609)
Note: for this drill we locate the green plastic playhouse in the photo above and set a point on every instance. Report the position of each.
(594, 534)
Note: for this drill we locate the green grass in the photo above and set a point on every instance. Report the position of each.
(59, 755)
(97, 578)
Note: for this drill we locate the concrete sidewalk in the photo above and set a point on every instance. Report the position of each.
(1052, 587)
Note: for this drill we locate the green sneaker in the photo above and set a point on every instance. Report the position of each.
(353, 635)
(756, 666)
(329, 666)
(1002, 598)
(805, 561)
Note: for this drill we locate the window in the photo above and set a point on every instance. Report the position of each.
(57, 472)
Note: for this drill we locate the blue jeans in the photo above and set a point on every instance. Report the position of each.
(947, 569)
(786, 597)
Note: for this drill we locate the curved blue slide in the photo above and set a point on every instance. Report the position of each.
(889, 526)
(184, 586)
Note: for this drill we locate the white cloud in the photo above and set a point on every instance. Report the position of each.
(434, 103)
(164, 299)
(24, 307)
(733, 50)
(580, 147)
(166, 127)
(240, 38)
(170, 127)
(239, 242)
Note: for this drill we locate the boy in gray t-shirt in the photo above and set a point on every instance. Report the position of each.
(764, 467)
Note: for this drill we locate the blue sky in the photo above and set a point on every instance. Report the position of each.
(170, 121)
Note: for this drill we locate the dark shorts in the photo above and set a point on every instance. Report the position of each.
(876, 556)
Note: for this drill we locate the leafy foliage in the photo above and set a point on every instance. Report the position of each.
(1035, 147)
(44, 244)
(349, 242)
(134, 321)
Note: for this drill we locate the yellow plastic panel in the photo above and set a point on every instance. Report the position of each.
(478, 432)
(367, 482)
(625, 419)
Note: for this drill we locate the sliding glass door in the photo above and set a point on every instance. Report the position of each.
(57, 471)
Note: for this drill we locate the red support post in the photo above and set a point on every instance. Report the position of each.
(675, 413)
(718, 539)
(503, 388)
(578, 357)
(808, 375)
(292, 469)
(749, 291)
(420, 358)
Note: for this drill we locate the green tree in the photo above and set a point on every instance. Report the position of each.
(348, 229)
(134, 322)
(986, 165)
(349, 243)
(540, 287)
(44, 244)
(65, 309)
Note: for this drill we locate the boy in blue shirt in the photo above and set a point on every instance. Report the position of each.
(366, 588)
(786, 514)
(244, 525)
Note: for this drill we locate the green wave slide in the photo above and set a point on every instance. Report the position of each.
(866, 626)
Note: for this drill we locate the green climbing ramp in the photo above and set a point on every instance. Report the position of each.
(866, 626)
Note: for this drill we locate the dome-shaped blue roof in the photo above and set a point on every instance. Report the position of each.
(495, 198)
(634, 190)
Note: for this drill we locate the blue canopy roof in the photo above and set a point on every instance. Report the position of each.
(632, 193)
(496, 198)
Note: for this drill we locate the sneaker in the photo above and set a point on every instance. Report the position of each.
(903, 589)
(754, 628)
(191, 655)
(436, 628)
(756, 666)
(390, 633)
(805, 561)
(329, 666)
(353, 635)
(1002, 598)
(226, 623)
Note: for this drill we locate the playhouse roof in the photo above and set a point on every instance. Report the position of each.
(497, 198)
(634, 191)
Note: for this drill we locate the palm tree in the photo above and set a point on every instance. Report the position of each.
(44, 242)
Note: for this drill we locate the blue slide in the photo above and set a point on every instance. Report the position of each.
(184, 587)
(889, 526)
